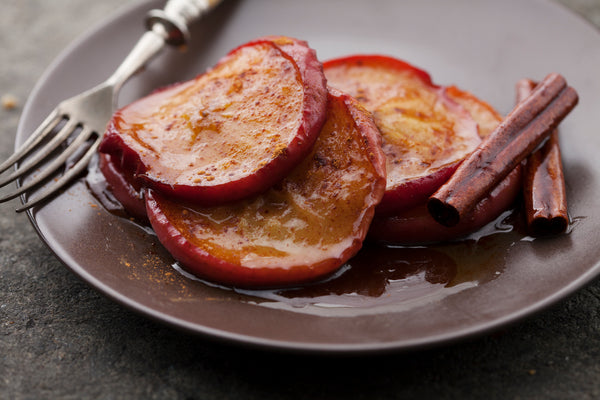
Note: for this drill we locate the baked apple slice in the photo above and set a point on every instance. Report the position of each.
(302, 229)
(229, 133)
(425, 133)
(125, 189)
(418, 226)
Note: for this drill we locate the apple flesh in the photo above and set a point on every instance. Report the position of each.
(300, 230)
(425, 133)
(228, 134)
(486, 117)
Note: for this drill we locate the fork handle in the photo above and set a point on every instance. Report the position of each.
(177, 16)
(164, 26)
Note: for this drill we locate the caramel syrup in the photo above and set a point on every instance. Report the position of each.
(384, 277)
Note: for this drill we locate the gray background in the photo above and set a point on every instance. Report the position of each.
(60, 339)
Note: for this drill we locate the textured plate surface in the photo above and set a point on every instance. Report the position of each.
(415, 297)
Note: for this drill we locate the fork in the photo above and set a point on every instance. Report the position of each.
(81, 120)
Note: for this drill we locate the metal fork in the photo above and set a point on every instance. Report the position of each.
(82, 119)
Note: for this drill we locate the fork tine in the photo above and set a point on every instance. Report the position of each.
(20, 190)
(71, 173)
(36, 137)
(48, 170)
(42, 153)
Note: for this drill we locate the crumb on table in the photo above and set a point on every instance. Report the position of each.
(9, 101)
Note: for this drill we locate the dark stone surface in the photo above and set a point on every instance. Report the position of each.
(60, 339)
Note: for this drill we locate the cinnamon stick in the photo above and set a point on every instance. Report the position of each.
(544, 183)
(521, 132)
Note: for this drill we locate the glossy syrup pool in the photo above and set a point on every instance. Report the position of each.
(380, 277)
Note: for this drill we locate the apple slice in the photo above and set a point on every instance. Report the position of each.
(417, 226)
(425, 133)
(229, 133)
(125, 189)
(302, 229)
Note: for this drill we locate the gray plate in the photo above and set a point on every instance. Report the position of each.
(390, 299)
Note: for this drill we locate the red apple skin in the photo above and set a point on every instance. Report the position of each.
(125, 189)
(218, 168)
(426, 134)
(387, 62)
(413, 192)
(301, 230)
